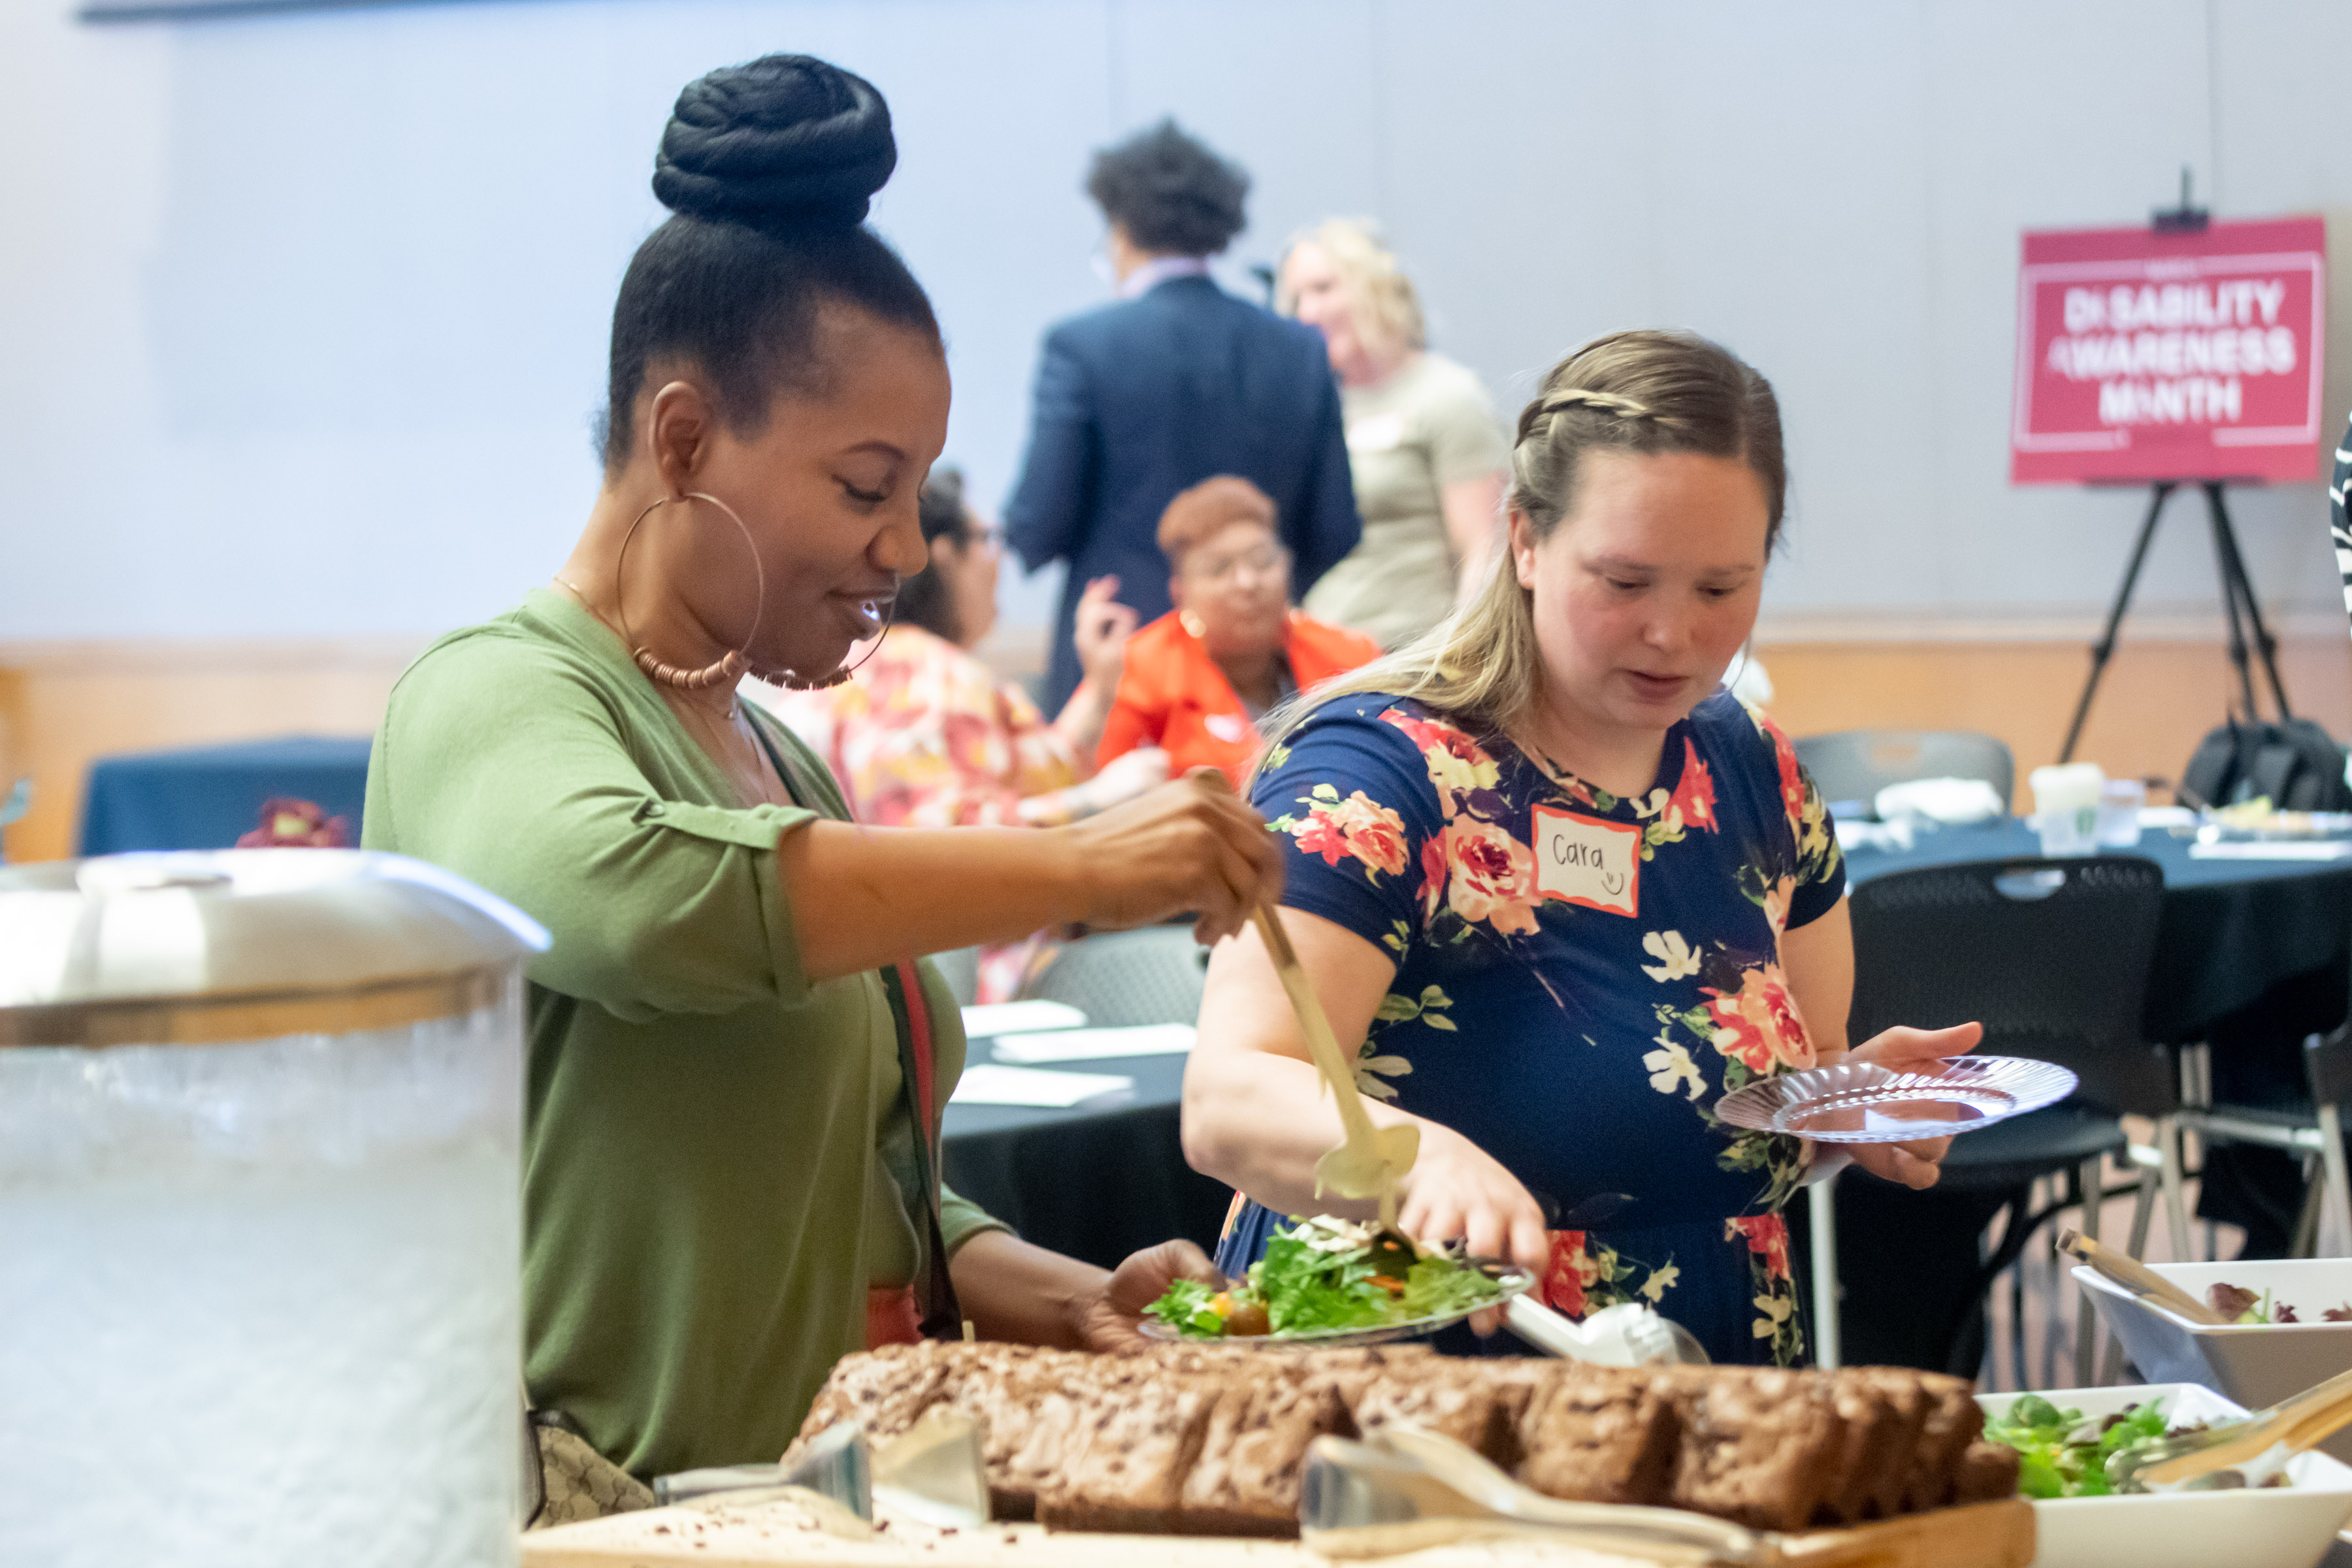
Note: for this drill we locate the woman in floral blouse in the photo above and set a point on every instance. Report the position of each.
(925, 734)
(1565, 889)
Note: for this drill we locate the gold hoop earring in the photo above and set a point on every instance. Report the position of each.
(729, 670)
(790, 679)
(1193, 623)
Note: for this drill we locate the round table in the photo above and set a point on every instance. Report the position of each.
(2231, 931)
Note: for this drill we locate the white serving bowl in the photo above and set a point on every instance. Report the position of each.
(2275, 1527)
(2255, 1364)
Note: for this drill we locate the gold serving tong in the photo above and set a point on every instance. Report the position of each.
(2139, 1280)
(1370, 1161)
(2245, 1452)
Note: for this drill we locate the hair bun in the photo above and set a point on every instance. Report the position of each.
(784, 142)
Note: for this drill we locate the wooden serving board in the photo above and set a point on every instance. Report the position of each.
(804, 1531)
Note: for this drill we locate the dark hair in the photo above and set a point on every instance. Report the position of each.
(768, 169)
(923, 598)
(1168, 191)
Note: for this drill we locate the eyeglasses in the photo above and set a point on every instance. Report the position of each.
(1265, 562)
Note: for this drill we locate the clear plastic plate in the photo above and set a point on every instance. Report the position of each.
(1512, 1279)
(1862, 1102)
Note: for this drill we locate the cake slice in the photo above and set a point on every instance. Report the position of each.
(1954, 1420)
(1253, 1457)
(1898, 1389)
(1028, 1408)
(1871, 1440)
(1597, 1435)
(1125, 1462)
(1452, 1398)
(1757, 1447)
(883, 1390)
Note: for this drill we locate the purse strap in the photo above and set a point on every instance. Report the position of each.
(910, 1016)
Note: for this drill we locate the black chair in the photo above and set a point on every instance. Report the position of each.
(1855, 764)
(2052, 956)
(1154, 975)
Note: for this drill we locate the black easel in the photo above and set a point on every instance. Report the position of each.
(2239, 608)
(2239, 611)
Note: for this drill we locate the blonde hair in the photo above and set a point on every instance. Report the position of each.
(1386, 311)
(1641, 392)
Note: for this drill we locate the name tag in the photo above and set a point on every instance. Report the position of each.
(1584, 860)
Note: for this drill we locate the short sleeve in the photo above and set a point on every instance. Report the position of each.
(1821, 865)
(1350, 793)
(506, 767)
(1464, 442)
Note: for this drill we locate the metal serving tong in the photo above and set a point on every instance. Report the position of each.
(1372, 1160)
(931, 1473)
(2142, 1282)
(1405, 1488)
(2245, 1452)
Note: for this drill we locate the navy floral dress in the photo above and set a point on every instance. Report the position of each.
(1579, 979)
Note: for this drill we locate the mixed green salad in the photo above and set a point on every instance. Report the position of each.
(2240, 1305)
(1328, 1276)
(2060, 1454)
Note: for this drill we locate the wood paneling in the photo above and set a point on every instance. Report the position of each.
(2158, 698)
(62, 705)
(65, 704)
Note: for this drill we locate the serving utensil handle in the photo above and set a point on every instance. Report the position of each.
(2139, 1278)
(1321, 1044)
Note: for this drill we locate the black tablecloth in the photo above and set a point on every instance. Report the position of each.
(1096, 1183)
(2232, 931)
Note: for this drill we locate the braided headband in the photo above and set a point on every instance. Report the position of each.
(1606, 402)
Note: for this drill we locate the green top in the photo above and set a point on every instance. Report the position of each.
(1428, 426)
(718, 1157)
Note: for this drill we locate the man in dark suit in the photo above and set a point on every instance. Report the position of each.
(1175, 383)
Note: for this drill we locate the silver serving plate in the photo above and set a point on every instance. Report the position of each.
(1512, 1279)
(1863, 1102)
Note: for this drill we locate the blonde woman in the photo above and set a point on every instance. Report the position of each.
(1561, 889)
(1423, 448)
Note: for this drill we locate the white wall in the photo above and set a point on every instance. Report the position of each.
(302, 318)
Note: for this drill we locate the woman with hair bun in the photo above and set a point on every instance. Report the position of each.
(1561, 889)
(1426, 454)
(737, 1061)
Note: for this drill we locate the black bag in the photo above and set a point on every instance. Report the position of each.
(2292, 762)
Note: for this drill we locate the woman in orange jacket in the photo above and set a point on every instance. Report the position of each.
(1198, 679)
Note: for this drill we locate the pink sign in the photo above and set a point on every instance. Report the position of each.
(2170, 356)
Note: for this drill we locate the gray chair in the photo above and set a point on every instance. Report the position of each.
(1855, 764)
(1119, 978)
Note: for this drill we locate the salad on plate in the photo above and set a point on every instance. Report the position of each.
(1327, 1277)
